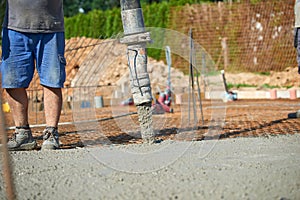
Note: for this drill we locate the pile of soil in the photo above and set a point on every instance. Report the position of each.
(81, 50)
(288, 78)
(107, 59)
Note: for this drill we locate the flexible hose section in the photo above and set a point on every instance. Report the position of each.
(135, 38)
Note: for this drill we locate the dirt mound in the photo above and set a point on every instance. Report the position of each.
(82, 51)
(104, 63)
(288, 78)
(117, 73)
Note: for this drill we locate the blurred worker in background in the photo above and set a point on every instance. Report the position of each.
(297, 45)
(297, 34)
(33, 37)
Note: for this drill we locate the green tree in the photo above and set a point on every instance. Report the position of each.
(74, 7)
(71, 7)
(2, 10)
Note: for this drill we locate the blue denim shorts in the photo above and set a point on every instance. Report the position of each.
(23, 52)
(297, 45)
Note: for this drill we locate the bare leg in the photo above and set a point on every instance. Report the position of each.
(18, 102)
(52, 105)
(22, 139)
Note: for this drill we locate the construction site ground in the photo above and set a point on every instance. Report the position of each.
(243, 118)
(254, 155)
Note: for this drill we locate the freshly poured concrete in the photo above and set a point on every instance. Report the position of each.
(240, 168)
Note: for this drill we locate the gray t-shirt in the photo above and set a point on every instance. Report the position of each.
(34, 16)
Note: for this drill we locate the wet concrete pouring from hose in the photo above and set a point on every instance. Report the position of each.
(145, 119)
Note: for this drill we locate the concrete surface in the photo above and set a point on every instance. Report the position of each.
(239, 168)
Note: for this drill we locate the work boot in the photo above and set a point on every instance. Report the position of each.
(51, 139)
(21, 140)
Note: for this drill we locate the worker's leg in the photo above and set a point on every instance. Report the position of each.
(297, 46)
(52, 105)
(17, 69)
(18, 102)
(51, 68)
(22, 138)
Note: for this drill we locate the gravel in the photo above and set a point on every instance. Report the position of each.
(239, 168)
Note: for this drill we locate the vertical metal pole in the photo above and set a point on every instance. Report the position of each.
(225, 52)
(199, 98)
(199, 89)
(190, 77)
(191, 69)
(224, 81)
(136, 38)
(7, 172)
(169, 62)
